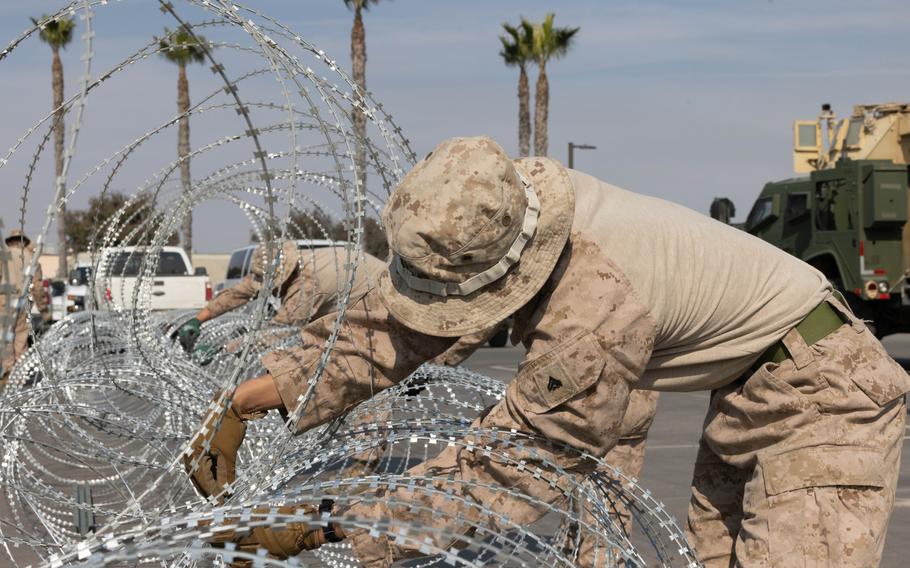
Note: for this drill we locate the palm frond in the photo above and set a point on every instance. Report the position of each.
(549, 42)
(516, 46)
(56, 33)
(362, 4)
(182, 47)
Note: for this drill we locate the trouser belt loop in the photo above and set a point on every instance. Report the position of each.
(797, 348)
(821, 321)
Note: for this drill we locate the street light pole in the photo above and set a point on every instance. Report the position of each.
(572, 147)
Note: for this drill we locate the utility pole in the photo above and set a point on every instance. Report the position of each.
(572, 147)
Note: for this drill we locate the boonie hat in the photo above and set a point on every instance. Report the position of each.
(474, 236)
(17, 234)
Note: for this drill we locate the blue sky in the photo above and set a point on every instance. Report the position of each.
(684, 100)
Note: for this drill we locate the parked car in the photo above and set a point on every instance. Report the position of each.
(56, 291)
(239, 263)
(175, 284)
(77, 287)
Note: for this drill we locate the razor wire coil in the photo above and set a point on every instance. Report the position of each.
(95, 416)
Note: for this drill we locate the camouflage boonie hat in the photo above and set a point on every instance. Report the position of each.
(15, 234)
(474, 236)
(288, 261)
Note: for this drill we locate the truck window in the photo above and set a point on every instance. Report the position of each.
(80, 276)
(807, 136)
(125, 264)
(171, 264)
(826, 207)
(854, 130)
(58, 288)
(797, 205)
(129, 264)
(247, 259)
(760, 211)
(235, 265)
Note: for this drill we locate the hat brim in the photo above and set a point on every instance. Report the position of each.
(21, 238)
(455, 316)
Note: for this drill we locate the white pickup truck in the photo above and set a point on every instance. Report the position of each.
(174, 284)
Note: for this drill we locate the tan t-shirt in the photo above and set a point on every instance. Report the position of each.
(718, 296)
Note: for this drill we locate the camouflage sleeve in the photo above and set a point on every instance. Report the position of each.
(465, 346)
(233, 297)
(372, 352)
(301, 299)
(639, 414)
(583, 357)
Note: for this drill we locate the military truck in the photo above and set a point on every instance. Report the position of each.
(848, 216)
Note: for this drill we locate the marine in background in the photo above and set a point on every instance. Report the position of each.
(16, 302)
(307, 285)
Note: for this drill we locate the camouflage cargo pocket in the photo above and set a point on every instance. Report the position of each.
(576, 394)
(826, 506)
(560, 374)
(857, 355)
(878, 375)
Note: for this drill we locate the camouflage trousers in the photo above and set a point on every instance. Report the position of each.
(628, 455)
(798, 462)
(12, 353)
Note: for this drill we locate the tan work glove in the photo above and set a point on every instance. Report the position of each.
(283, 543)
(212, 456)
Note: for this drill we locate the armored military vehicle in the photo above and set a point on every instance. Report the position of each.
(848, 216)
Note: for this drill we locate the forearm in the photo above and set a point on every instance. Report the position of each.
(257, 395)
(204, 315)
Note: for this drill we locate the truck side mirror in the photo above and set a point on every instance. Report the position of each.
(807, 145)
(200, 271)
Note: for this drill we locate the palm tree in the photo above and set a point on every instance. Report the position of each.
(358, 69)
(547, 43)
(57, 34)
(516, 52)
(181, 47)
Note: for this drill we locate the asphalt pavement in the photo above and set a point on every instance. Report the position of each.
(673, 441)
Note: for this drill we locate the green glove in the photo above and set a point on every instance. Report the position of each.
(189, 333)
(205, 354)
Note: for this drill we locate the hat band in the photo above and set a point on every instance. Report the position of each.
(488, 276)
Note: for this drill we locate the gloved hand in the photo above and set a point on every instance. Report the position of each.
(287, 541)
(210, 469)
(189, 333)
(205, 354)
